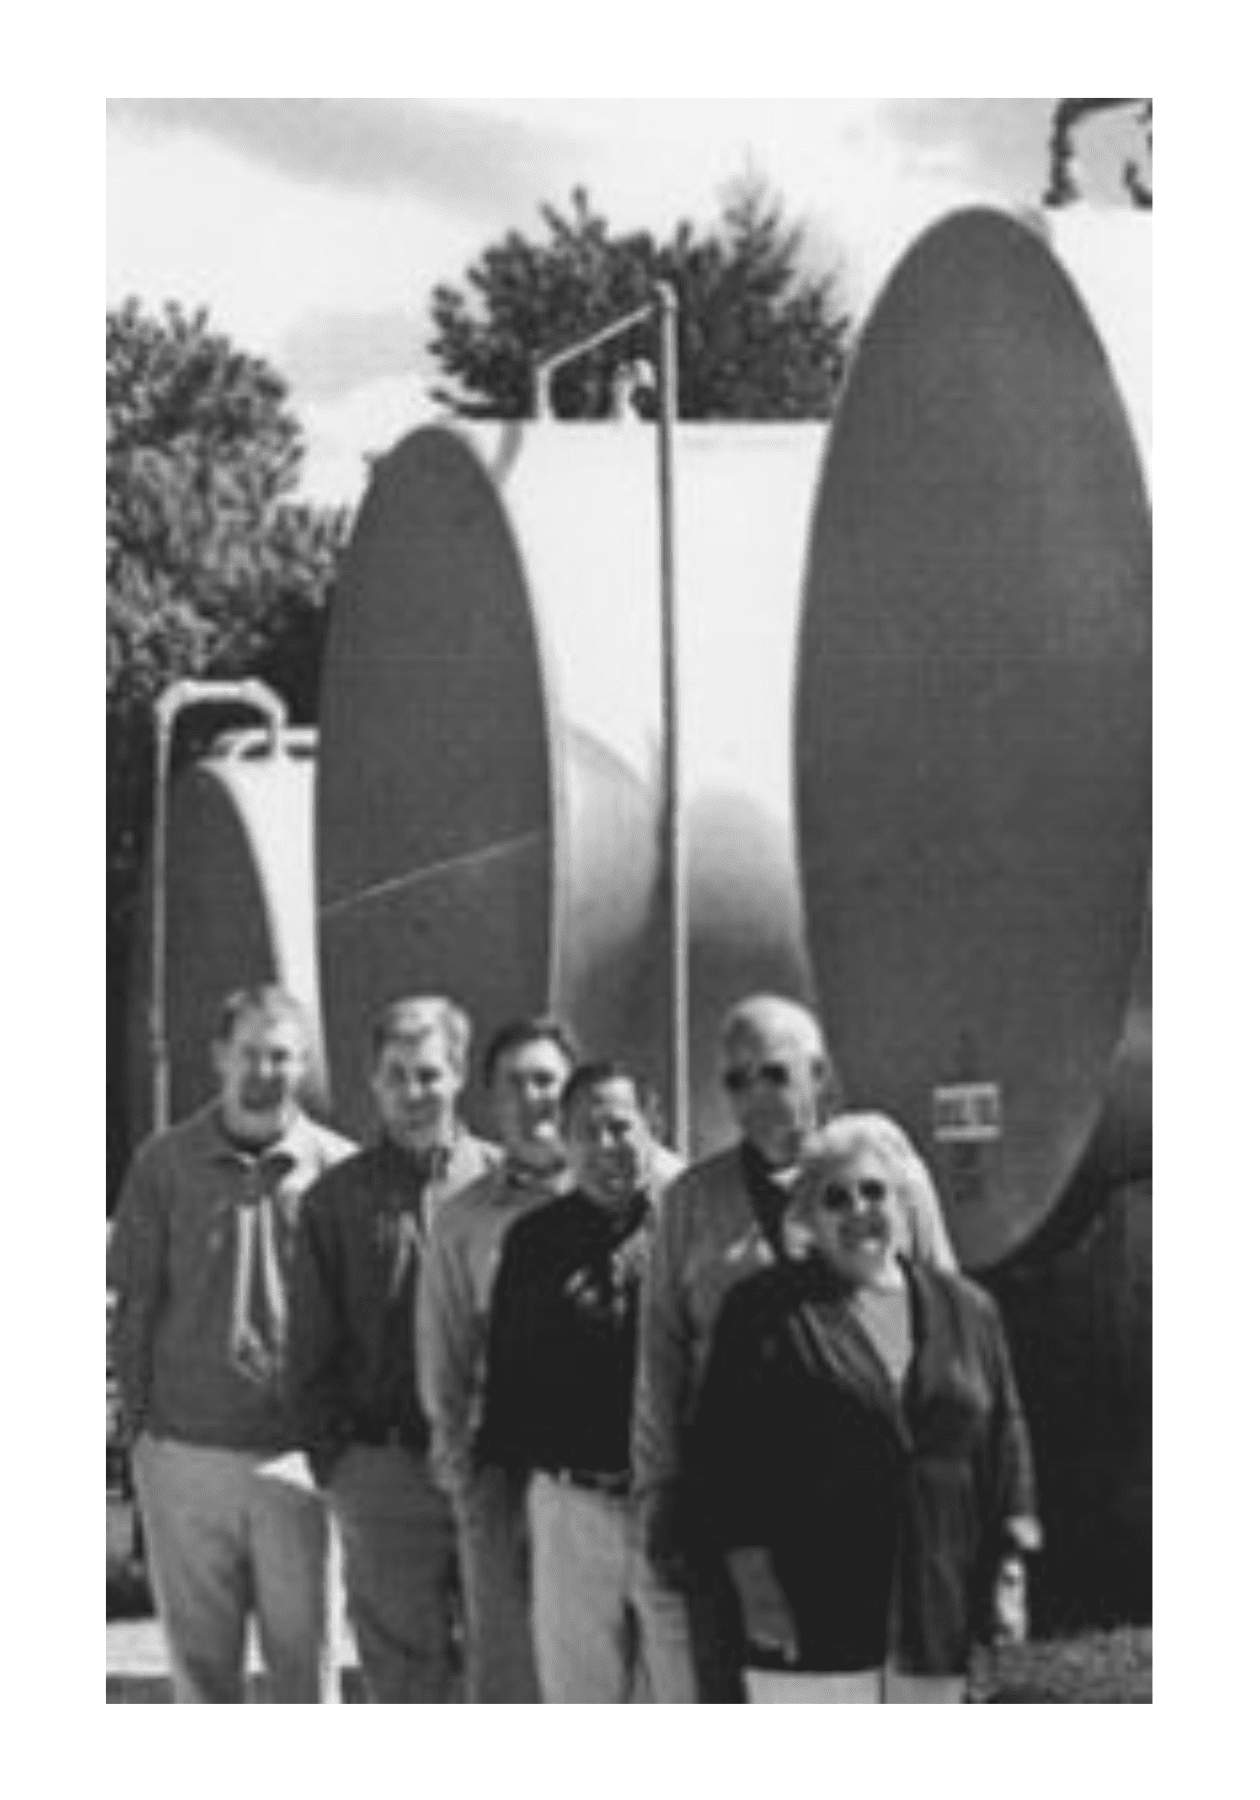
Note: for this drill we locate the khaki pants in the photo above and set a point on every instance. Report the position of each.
(869, 1687)
(398, 1544)
(605, 1629)
(494, 1580)
(226, 1541)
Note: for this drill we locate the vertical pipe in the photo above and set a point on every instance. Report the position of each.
(170, 702)
(675, 843)
(158, 1047)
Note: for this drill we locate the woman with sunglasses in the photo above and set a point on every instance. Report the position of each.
(861, 1447)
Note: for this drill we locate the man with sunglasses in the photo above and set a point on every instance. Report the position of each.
(722, 1222)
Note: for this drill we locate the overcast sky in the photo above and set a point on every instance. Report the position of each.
(315, 230)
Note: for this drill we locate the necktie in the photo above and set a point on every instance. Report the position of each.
(259, 1305)
(411, 1222)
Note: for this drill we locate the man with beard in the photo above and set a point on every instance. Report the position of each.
(526, 1066)
(364, 1234)
(200, 1261)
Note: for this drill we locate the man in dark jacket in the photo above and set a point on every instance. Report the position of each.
(352, 1349)
(559, 1383)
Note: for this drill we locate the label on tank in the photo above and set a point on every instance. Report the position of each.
(967, 1112)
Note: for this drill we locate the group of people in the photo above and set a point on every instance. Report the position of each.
(566, 1420)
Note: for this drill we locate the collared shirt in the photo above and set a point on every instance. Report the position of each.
(563, 1326)
(363, 1236)
(453, 1307)
(186, 1262)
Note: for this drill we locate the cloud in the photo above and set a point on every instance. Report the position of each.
(450, 155)
(343, 434)
(995, 143)
(1006, 144)
(326, 354)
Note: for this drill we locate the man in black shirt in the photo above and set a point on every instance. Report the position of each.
(560, 1376)
(352, 1364)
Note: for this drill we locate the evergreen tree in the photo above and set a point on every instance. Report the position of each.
(758, 337)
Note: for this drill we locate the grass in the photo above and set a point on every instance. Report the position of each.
(1109, 1668)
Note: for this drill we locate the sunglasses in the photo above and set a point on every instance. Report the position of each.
(837, 1198)
(738, 1081)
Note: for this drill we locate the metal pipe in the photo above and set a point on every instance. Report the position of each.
(169, 704)
(675, 841)
(546, 366)
(663, 307)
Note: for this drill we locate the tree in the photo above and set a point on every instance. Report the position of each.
(212, 569)
(758, 337)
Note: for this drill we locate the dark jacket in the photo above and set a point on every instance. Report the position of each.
(884, 1514)
(364, 1230)
(563, 1328)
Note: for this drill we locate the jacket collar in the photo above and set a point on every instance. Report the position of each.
(281, 1154)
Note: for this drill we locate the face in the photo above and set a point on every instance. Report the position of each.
(260, 1069)
(608, 1143)
(525, 1093)
(853, 1209)
(416, 1084)
(773, 1076)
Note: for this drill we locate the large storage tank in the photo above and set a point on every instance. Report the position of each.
(973, 721)
(489, 795)
(240, 908)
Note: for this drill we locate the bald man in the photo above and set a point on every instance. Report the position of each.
(722, 1221)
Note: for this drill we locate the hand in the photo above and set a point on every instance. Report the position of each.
(663, 1537)
(1010, 1602)
(321, 1460)
(768, 1622)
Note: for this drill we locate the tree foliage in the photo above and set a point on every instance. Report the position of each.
(759, 338)
(212, 567)
(208, 557)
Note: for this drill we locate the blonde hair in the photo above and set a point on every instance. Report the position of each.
(919, 1219)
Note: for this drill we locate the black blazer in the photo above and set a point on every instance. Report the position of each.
(883, 1513)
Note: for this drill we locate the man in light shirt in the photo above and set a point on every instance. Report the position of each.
(525, 1067)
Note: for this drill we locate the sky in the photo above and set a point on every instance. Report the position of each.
(314, 231)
